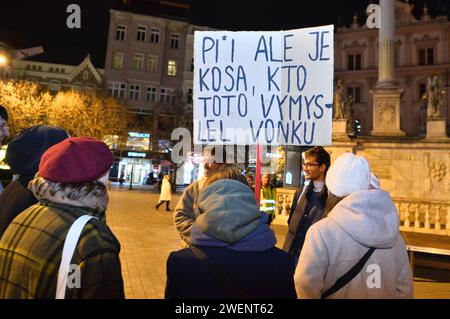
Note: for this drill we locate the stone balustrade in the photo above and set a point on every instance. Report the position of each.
(431, 217)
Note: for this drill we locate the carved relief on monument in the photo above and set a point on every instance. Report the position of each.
(435, 172)
(428, 186)
(447, 184)
(385, 113)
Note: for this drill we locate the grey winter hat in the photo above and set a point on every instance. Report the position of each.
(25, 151)
(229, 210)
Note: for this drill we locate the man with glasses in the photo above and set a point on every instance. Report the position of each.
(309, 202)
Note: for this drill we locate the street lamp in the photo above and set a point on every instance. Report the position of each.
(3, 60)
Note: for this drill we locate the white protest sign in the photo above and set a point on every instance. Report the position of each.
(271, 88)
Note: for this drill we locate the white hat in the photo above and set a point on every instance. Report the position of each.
(348, 174)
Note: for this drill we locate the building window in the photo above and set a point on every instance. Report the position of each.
(354, 62)
(133, 93)
(121, 31)
(50, 69)
(189, 96)
(28, 67)
(85, 75)
(154, 35)
(39, 68)
(117, 60)
(151, 94)
(355, 93)
(141, 33)
(426, 56)
(422, 90)
(138, 62)
(167, 96)
(63, 70)
(172, 68)
(116, 89)
(152, 63)
(174, 40)
(192, 65)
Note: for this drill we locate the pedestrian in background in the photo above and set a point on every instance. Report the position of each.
(166, 193)
(232, 253)
(268, 198)
(23, 156)
(66, 231)
(357, 250)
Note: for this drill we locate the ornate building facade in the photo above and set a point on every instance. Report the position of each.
(422, 50)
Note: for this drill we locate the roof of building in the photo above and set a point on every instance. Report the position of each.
(175, 10)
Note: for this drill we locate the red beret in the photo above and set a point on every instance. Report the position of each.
(76, 160)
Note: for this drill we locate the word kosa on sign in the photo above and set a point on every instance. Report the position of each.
(273, 88)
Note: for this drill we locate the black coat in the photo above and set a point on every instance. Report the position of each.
(301, 217)
(14, 200)
(258, 275)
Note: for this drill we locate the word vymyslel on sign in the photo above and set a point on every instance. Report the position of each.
(272, 88)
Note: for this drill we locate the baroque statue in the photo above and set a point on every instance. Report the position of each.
(435, 97)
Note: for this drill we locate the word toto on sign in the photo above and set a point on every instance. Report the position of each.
(271, 88)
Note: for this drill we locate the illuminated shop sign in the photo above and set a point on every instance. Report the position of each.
(137, 154)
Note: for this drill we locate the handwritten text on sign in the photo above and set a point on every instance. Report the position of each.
(272, 88)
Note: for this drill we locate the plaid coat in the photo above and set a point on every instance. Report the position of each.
(31, 250)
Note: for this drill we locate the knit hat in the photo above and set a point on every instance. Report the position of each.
(348, 174)
(76, 160)
(24, 152)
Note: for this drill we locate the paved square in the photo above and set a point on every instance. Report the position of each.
(147, 236)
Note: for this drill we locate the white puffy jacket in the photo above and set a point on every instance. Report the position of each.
(335, 244)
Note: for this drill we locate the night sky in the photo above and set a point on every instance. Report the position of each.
(26, 23)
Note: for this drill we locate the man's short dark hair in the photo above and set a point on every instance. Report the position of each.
(321, 155)
(3, 113)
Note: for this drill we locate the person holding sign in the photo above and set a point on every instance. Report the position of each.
(184, 215)
(268, 198)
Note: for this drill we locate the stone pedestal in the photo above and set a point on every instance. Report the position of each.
(436, 128)
(386, 112)
(340, 128)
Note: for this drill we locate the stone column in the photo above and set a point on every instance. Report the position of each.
(386, 94)
(386, 45)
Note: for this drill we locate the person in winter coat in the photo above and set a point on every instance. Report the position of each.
(232, 252)
(309, 202)
(71, 188)
(23, 156)
(184, 214)
(363, 218)
(268, 198)
(166, 193)
(4, 130)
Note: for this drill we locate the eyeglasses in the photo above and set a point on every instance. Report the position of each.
(308, 165)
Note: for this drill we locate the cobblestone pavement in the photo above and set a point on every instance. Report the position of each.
(148, 236)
